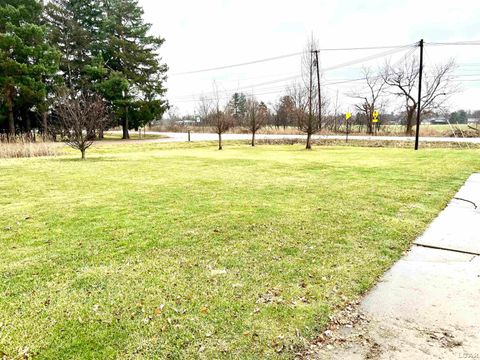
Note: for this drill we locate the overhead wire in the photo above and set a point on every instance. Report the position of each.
(274, 58)
(453, 43)
(238, 65)
(263, 88)
(292, 78)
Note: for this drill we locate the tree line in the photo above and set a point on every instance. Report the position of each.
(76, 53)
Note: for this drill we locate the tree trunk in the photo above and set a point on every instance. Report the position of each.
(220, 147)
(309, 141)
(369, 122)
(11, 119)
(253, 138)
(28, 124)
(101, 134)
(410, 116)
(83, 153)
(126, 135)
(45, 126)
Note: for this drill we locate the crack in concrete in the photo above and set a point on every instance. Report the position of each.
(447, 249)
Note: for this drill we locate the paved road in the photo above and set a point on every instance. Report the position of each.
(181, 137)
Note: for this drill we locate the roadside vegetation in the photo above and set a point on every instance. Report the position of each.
(183, 251)
(133, 136)
(21, 147)
(459, 130)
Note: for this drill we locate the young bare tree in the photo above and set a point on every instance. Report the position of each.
(284, 112)
(256, 116)
(375, 85)
(310, 122)
(220, 120)
(336, 109)
(437, 86)
(204, 109)
(299, 99)
(80, 117)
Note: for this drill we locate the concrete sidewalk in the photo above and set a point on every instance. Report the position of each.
(428, 305)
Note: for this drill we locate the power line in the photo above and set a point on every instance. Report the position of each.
(368, 58)
(455, 43)
(270, 90)
(366, 48)
(247, 87)
(264, 89)
(237, 65)
(467, 80)
(287, 56)
(292, 78)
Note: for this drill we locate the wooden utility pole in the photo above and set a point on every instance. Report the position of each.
(420, 78)
(317, 62)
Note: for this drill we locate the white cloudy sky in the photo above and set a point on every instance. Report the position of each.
(210, 33)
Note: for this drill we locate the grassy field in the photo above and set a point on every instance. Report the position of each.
(174, 251)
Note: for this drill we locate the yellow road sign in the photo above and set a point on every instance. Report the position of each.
(375, 116)
(348, 116)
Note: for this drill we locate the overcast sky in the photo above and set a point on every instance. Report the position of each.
(210, 33)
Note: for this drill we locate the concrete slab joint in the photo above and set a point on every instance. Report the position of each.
(427, 305)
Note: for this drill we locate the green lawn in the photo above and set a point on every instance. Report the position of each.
(151, 251)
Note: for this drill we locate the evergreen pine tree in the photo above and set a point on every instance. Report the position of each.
(26, 59)
(131, 54)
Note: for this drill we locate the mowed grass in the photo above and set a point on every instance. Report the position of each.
(157, 251)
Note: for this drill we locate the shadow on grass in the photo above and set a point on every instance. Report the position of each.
(91, 159)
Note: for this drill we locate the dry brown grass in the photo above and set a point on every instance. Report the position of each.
(385, 130)
(22, 147)
(369, 144)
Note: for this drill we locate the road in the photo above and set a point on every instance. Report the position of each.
(182, 137)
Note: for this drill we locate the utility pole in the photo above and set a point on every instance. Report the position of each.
(417, 137)
(348, 130)
(317, 62)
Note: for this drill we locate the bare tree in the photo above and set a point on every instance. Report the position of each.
(336, 109)
(204, 109)
(299, 100)
(307, 113)
(256, 116)
(284, 111)
(220, 120)
(375, 86)
(80, 117)
(437, 86)
(310, 126)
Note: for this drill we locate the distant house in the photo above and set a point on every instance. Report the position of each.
(186, 122)
(437, 121)
(473, 121)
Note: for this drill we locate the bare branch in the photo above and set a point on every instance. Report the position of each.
(80, 118)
